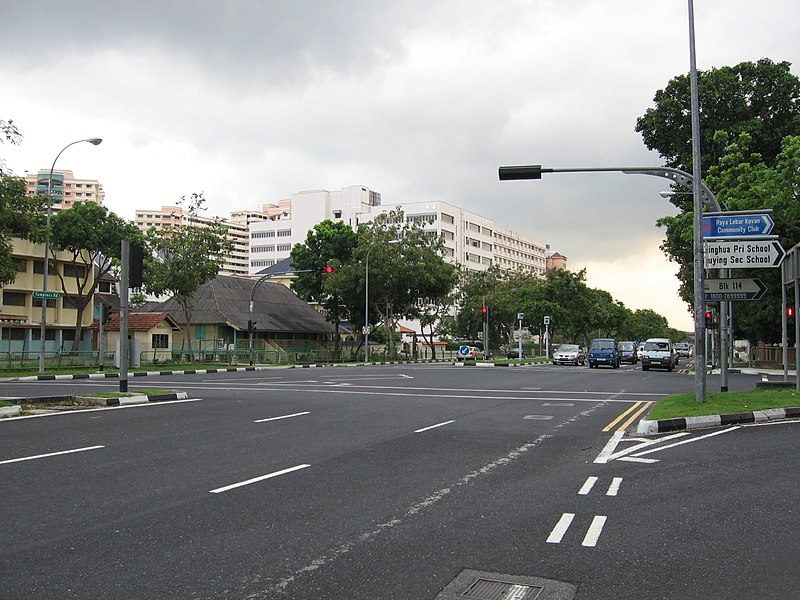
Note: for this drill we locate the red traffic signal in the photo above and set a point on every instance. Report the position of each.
(328, 269)
(790, 312)
(709, 319)
(484, 309)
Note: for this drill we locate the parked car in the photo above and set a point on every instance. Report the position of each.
(603, 351)
(512, 352)
(469, 353)
(683, 350)
(569, 354)
(628, 352)
(658, 353)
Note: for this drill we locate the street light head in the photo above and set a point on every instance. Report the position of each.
(523, 172)
(95, 141)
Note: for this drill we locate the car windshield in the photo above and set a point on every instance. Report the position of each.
(567, 348)
(603, 345)
(627, 346)
(656, 346)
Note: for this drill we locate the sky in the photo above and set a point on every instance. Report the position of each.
(251, 101)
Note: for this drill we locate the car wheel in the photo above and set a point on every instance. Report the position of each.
(645, 368)
(669, 369)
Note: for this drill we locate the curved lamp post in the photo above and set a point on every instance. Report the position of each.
(46, 266)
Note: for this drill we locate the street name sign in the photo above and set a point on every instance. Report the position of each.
(737, 226)
(742, 254)
(40, 295)
(733, 289)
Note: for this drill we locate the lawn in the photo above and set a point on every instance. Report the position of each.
(721, 403)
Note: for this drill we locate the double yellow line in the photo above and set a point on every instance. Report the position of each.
(635, 411)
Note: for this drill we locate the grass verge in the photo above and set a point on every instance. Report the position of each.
(721, 403)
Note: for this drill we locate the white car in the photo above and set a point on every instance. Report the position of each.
(569, 354)
(658, 353)
(469, 353)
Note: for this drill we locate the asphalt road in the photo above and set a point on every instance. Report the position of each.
(387, 483)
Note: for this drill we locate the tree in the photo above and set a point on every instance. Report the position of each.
(21, 215)
(749, 114)
(92, 236)
(185, 257)
(406, 271)
(327, 243)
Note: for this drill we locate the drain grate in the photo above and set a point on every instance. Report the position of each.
(486, 589)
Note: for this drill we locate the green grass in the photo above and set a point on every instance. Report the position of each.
(720, 403)
(5, 403)
(76, 370)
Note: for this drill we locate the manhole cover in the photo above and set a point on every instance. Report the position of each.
(486, 589)
(471, 584)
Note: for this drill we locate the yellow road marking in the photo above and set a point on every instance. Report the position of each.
(637, 409)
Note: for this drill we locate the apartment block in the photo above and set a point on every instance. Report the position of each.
(64, 189)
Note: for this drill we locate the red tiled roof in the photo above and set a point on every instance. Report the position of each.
(137, 321)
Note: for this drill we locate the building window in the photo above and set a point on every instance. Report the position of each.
(160, 340)
(284, 233)
(447, 219)
(73, 270)
(38, 267)
(337, 214)
(13, 298)
(284, 247)
(20, 264)
(263, 234)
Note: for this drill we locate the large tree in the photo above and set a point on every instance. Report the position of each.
(21, 215)
(184, 257)
(747, 112)
(92, 236)
(327, 244)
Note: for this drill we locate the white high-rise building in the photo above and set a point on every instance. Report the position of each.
(470, 239)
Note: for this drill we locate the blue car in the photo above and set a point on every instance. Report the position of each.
(603, 351)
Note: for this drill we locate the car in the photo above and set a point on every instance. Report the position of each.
(603, 351)
(469, 353)
(683, 350)
(628, 352)
(514, 353)
(658, 353)
(569, 354)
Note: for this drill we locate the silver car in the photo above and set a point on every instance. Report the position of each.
(569, 354)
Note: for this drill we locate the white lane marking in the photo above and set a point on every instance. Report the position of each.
(538, 417)
(550, 403)
(105, 408)
(613, 489)
(587, 487)
(282, 417)
(434, 426)
(689, 441)
(561, 528)
(607, 454)
(639, 460)
(49, 454)
(595, 529)
(257, 479)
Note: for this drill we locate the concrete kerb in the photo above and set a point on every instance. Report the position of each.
(10, 411)
(647, 427)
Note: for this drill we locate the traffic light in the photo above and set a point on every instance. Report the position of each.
(251, 325)
(790, 317)
(136, 266)
(105, 313)
(709, 319)
(326, 270)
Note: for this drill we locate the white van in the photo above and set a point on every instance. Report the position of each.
(658, 353)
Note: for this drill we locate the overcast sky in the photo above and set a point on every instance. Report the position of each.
(252, 101)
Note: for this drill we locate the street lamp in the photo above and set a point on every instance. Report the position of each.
(366, 300)
(46, 269)
(702, 196)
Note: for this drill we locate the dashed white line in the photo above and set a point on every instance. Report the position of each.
(561, 528)
(257, 479)
(587, 487)
(595, 529)
(613, 489)
(434, 426)
(49, 454)
(282, 417)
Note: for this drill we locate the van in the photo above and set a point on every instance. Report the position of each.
(658, 353)
(603, 351)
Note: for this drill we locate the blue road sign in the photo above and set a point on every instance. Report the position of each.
(737, 226)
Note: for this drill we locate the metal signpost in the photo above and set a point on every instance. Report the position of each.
(547, 337)
(520, 317)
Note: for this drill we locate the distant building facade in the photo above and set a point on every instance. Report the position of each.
(65, 189)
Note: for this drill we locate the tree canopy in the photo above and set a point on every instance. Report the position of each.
(750, 115)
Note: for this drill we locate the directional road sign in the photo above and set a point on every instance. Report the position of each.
(741, 254)
(733, 289)
(737, 226)
(39, 295)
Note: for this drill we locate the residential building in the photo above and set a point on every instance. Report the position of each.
(237, 262)
(469, 239)
(21, 313)
(65, 188)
